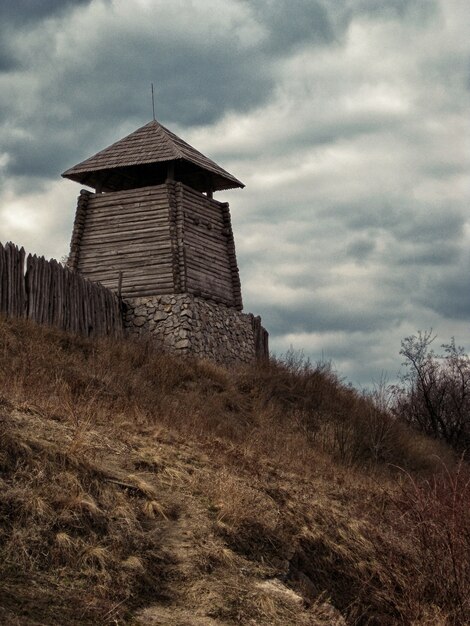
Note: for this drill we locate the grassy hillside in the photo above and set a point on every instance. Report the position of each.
(139, 489)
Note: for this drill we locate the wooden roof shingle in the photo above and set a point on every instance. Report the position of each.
(150, 144)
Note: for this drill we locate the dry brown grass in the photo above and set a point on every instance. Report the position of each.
(69, 530)
(265, 495)
(437, 515)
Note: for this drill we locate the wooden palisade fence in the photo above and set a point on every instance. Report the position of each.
(261, 339)
(51, 294)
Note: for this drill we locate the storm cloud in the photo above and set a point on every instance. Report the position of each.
(347, 120)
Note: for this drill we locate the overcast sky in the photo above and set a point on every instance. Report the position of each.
(348, 121)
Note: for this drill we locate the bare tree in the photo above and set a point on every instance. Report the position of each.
(434, 394)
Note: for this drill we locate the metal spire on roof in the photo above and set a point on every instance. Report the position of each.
(153, 103)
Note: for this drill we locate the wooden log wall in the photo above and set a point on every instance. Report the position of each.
(162, 239)
(51, 294)
(78, 227)
(210, 262)
(130, 232)
(232, 257)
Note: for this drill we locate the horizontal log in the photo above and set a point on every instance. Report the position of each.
(208, 283)
(149, 246)
(123, 223)
(131, 276)
(134, 195)
(156, 287)
(204, 292)
(110, 234)
(157, 214)
(212, 266)
(211, 287)
(150, 287)
(150, 279)
(152, 282)
(159, 232)
(131, 212)
(196, 197)
(151, 207)
(189, 191)
(202, 228)
(130, 242)
(192, 212)
(147, 293)
(204, 235)
(208, 256)
(225, 277)
(123, 263)
(154, 267)
(139, 192)
(92, 263)
(156, 209)
(153, 270)
(211, 297)
(204, 246)
(195, 209)
(126, 271)
(156, 206)
(142, 244)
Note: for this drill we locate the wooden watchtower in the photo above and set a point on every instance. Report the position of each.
(152, 226)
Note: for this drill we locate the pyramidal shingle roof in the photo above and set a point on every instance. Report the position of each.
(152, 143)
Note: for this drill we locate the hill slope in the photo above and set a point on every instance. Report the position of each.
(138, 489)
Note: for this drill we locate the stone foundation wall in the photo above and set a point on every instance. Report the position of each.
(185, 324)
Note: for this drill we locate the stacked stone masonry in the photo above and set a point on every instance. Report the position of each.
(185, 324)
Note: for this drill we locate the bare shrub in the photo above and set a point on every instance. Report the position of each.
(436, 513)
(435, 392)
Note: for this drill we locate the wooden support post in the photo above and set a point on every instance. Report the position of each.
(170, 172)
